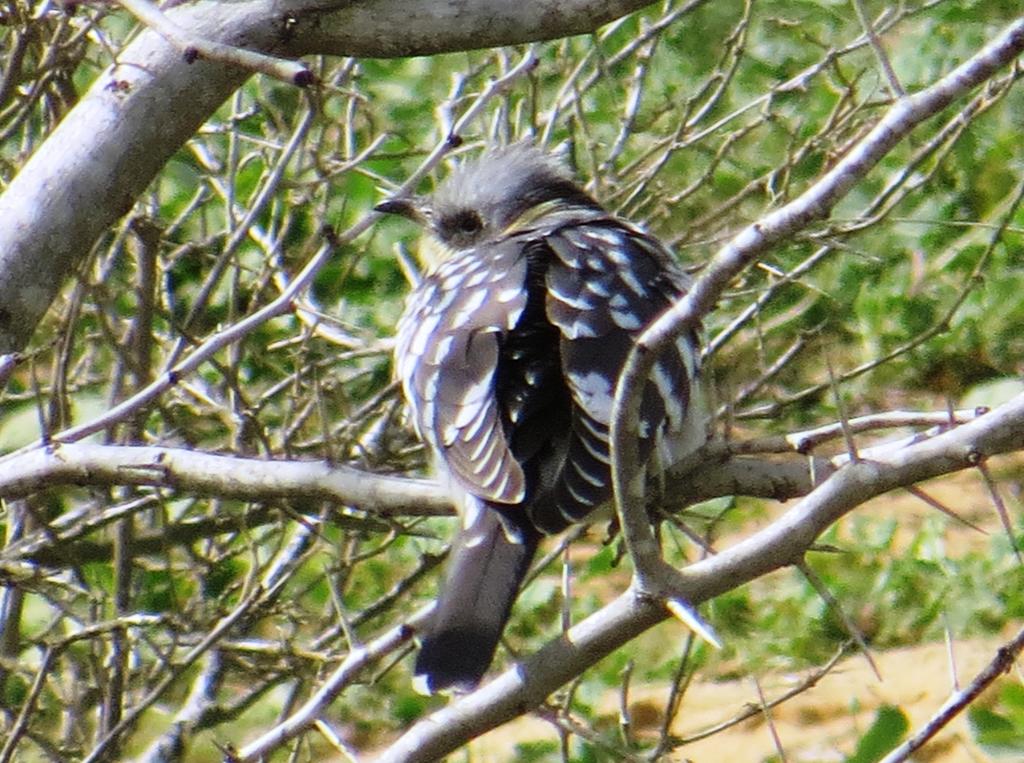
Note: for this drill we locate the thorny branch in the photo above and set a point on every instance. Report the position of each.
(783, 542)
(816, 202)
(225, 396)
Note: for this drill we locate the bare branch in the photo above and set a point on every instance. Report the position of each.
(1001, 664)
(227, 476)
(356, 661)
(193, 47)
(142, 109)
(876, 44)
(813, 204)
(244, 351)
(782, 543)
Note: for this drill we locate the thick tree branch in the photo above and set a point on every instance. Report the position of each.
(195, 472)
(111, 145)
(779, 468)
(394, 28)
(812, 205)
(782, 543)
(143, 109)
(194, 47)
(284, 301)
(253, 479)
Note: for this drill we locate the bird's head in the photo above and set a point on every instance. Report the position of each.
(484, 199)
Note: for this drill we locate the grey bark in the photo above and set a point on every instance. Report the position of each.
(140, 111)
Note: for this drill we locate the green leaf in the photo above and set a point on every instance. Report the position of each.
(530, 752)
(890, 726)
(220, 576)
(15, 690)
(994, 733)
(1012, 695)
(600, 563)
(156, 591)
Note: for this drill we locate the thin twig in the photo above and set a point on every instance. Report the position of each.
(958, 701)
(816, 203)
(193, 47)
(753, 710)
(876, 45)
(851, 627)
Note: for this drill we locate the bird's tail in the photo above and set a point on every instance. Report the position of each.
(485, 572)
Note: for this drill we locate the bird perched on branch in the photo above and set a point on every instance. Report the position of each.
(509, 351)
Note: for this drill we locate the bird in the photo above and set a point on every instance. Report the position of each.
(508, 351)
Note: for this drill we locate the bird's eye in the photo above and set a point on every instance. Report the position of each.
(467, 222)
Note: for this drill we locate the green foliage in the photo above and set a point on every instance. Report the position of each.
(925, 264)
(898, 592)
(535, 752)
(999, 727)
(889, 727)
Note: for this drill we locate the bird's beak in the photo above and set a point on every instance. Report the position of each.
(410, 208)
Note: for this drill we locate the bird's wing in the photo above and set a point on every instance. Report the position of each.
(606, 284)
(448, 347)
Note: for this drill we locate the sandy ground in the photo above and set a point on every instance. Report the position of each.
(822, 725)
(818, 726)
